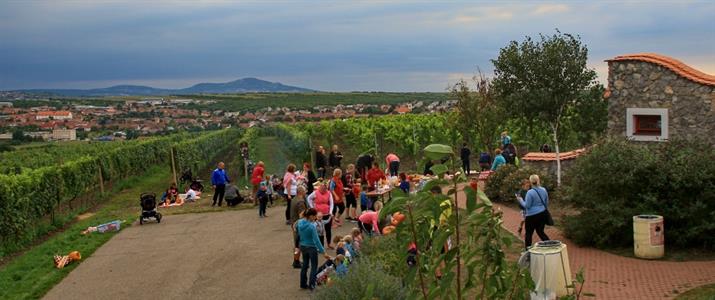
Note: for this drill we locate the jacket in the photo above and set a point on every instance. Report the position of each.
(219, 177)
(308, 235)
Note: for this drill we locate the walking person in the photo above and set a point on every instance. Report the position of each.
(320, 162)
(256, 178)
(335, 158)
(393, 163)
(350, 198)
(464, 155)
(337, 188)
(310, 246)
(537, 215)
(322, 200)
(290, 187)
(219, 179)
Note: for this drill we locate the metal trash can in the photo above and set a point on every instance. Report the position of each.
(648, 236)
(550, 270)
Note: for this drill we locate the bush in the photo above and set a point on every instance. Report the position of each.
(366, 279)
(507, 180)
(618, 179)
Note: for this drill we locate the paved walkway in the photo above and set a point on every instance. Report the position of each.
(223, 255)
(609, 276)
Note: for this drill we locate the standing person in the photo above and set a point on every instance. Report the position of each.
(298, 207)
(309, 175)
(484, 161)
(505, 140)
(320, 161)
(537, 199)
(464, 154)
(322, 200)
(219, 179)
(310, 246)
(393, 163)
(335, 158)
(404, 184)
(262, 198)
(350, 198)
(338, 190)
(374, 175)
(290, 187)
(257, 177)
(498, 160)
(525, 186)
(363, 164)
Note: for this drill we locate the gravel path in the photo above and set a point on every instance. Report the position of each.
(223, 255)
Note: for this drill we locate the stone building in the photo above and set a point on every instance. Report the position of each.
(653, 97)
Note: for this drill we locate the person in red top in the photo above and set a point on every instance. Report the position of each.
(337, 188)
(393, 162)
(322, 200)
(374, 175)
(256, 178)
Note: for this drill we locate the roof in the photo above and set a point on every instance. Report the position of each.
(670, 63)
(54, 113)
(550, 156)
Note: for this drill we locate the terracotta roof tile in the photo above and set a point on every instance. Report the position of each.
(674, 65)
(540, 156)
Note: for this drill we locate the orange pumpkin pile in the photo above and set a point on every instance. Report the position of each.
(397, 219)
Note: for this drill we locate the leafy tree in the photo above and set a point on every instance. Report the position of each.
(544, 79)
(477, 116)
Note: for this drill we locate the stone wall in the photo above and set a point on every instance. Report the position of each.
(638, 84)
(549, 166)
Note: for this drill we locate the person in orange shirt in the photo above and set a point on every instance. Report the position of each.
(374, 175)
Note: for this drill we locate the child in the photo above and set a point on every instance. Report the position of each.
(365, 203)
(404, 184)
(357, 238)
(269, 188)
(339, 245)
(349, 249)
(340, 267)
(320, 227)
(262, 197)
(521, 194)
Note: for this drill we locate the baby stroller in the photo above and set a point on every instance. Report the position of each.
(148, 204)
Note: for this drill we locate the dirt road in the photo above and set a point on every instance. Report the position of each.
(224, 255)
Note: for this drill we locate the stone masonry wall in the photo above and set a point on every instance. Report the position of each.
(636, 84)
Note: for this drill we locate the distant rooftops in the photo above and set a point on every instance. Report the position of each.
(670, 63)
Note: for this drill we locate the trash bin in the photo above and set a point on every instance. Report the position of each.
(550, 270)
(648, 236)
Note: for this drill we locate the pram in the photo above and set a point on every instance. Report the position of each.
(148, 205)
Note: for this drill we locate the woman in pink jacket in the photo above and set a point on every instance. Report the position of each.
(322, 200)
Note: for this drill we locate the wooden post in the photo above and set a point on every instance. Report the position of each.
(310, 152)
(173, 165)
(101, 179)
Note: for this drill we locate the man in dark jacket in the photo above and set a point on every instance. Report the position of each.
(335, 158)
(364, 163)
(320, 162)
(464, 155)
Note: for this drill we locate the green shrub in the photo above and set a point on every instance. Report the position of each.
(502, 185)
(366, 279)
(618, 179)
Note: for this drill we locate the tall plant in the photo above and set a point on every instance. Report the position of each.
(459, 249)
(477, 116)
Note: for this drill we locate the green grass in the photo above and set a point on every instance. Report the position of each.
(705, 292)
(32, 274)
(270, 151)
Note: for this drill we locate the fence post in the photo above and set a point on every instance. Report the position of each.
(101, 179)
(173, 166)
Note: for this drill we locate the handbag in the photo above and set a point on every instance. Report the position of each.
(549, 219)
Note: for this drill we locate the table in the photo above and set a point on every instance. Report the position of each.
(380, 194)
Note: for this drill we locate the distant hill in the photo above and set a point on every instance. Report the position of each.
(245, 85)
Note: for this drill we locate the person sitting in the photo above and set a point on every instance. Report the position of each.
(172, 193)
(404, 184)
(233, 197)
(192, 195)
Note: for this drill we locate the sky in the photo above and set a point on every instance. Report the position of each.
(324, 45)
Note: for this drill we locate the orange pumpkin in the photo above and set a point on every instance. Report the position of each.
(74, 256)
(388, 229)
(397, 218)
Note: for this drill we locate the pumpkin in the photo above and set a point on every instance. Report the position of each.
(397, 218)
(388, 229)
(74, 255)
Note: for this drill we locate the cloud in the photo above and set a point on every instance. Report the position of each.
(546, 9)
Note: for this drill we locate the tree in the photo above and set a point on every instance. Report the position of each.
(543, 80)
(477, 116)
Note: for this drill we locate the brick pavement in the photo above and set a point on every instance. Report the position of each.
(610, 276)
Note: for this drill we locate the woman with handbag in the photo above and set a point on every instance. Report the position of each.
(537, 211)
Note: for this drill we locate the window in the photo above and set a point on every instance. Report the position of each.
(647, 124)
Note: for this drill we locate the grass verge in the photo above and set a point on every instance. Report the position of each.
(705, 292)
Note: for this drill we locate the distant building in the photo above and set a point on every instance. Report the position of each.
(54, 115)
(64, 134)
(5, 104)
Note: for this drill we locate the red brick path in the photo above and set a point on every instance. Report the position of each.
(609, 276)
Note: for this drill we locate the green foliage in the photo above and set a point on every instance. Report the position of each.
(508, 178)
(366, 279)
(27, 198)
(478, 116)
(618, 179)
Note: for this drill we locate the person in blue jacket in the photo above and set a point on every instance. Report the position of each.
(537, 199)
(310, 246)
(498, 160)
(219, 179)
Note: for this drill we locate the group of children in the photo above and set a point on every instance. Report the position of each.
(347, 250)
(171, 197)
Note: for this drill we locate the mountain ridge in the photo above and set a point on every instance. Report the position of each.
(243, 85)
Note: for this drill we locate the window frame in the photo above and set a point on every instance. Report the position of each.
(636, 133)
